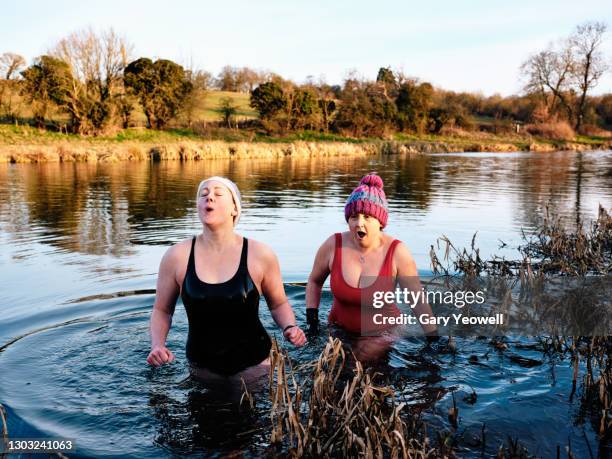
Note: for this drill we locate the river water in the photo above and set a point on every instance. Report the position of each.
(80, 246)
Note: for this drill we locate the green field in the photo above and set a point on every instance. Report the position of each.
(206, 108)
(212, 101)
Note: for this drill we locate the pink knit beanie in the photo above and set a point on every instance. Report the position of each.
(368, 199)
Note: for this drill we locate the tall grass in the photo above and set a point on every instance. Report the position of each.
(356, 418)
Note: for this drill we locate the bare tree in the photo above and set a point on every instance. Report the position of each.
(10, 65)
(96, 61)
(201, 81)
(589, 63)
(226, 80)
(548, 74)
(560, 75)
(248, 79)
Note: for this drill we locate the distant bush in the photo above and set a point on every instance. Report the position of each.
(560, 130)
(595, 131)
(456, 131)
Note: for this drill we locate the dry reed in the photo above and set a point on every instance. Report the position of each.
(552, 249)
(356, 418)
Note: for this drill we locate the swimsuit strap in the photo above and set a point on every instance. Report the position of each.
(337, 263)
(191, 262)
(243, 267)
(385, 269)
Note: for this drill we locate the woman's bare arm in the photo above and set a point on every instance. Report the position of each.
(165, 301)
(318, 275)
(409, 279)
(274, 292)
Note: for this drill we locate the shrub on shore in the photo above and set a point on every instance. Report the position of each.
(559, 130)
(592, 130)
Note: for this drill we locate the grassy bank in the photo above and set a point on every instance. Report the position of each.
(28, 144)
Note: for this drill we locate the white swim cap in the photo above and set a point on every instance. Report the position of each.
(231, 186)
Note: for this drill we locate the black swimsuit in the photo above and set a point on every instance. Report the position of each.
(225, 333)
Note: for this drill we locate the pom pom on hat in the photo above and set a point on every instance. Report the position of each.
(372, 180)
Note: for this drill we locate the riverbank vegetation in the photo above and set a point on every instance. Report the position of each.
(335, 404)
(90, 85)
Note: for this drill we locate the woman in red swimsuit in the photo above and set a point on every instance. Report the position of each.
(358, 256)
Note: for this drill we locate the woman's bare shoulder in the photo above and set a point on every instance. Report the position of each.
(178, 252)
(401, 248)
(260, 250)
(402, 258)
(330, 242)
(326, 251)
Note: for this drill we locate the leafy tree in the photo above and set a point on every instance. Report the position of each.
(303, 108)
(327, 96)
(449, 113)
(125, 106)
(413, 104)
(161, 87)
(268, 99)
(140, 78)
(365, 109)
(228, 110)
(388, 80)
(385, 75)
(47, 81)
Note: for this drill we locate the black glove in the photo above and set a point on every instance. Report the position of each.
(312, 319)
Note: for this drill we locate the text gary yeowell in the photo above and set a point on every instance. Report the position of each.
(424, 319)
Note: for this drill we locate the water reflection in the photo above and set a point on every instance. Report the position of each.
(105, 209)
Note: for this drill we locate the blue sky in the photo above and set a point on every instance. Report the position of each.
(468, 45)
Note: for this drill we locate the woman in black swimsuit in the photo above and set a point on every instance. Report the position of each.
(219, 276)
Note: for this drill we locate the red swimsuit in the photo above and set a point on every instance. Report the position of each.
(346, 310)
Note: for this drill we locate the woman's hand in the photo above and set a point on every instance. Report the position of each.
(160, 355)
(295, 336)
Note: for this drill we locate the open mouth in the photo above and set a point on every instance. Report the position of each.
(209, 209)
(361, 234)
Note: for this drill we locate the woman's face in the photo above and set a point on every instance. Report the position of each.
(364, 228)
(215, 204)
